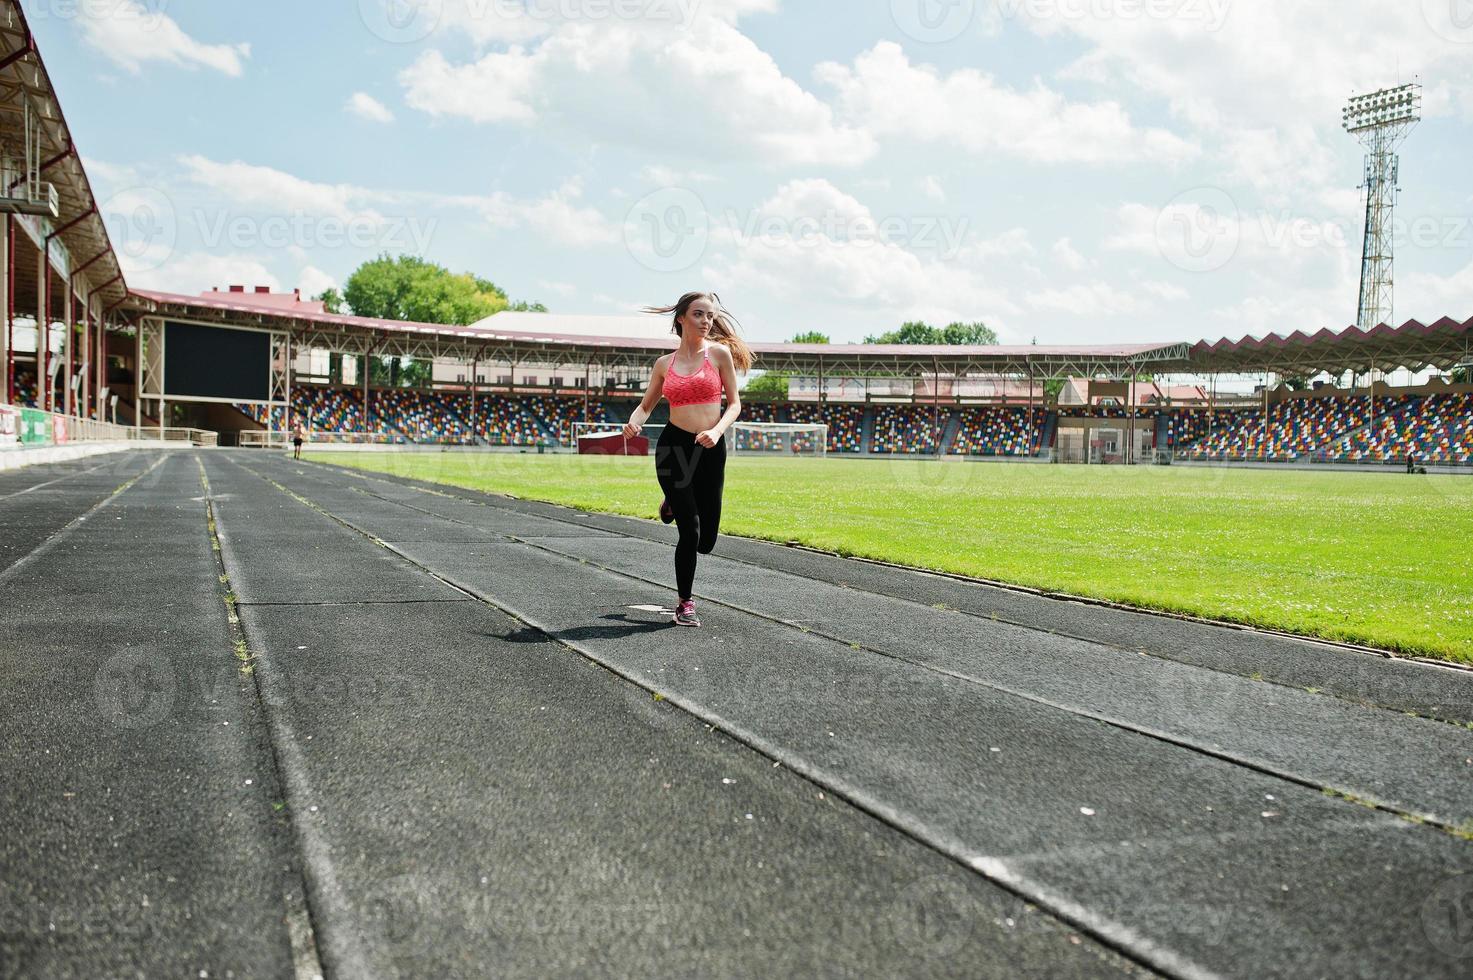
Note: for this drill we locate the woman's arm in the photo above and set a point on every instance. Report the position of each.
(647, 404)
(724, 364)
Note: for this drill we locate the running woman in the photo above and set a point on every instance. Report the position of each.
(690, 457)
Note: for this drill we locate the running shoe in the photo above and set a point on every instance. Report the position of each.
(685, 614)
(666, 513)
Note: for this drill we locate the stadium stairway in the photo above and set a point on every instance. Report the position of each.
(867, 429)
(1046, 436)
(949, 431)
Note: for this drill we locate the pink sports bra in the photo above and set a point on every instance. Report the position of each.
(702, 388)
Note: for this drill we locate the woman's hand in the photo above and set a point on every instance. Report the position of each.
(708, 438)
(631, 430)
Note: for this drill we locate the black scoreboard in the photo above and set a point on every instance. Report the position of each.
(216, 362)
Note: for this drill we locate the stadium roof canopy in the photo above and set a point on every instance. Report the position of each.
(505, 338)
(1413, 345)
(28, 102)
(491, 342)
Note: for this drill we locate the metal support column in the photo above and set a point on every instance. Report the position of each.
(43, 333)
(936, 401)
(68, 349)
(7, 328)
(475, 361)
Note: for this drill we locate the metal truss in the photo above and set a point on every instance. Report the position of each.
(150, 358)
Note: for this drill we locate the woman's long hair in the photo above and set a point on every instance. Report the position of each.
(723, 327)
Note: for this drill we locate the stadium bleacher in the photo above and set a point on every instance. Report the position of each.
(1434, 428)
(1291, 428)
(996, 430)
(25, 389)
(845, 422)
(906, 429)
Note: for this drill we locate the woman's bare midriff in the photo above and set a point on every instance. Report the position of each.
(695, 419)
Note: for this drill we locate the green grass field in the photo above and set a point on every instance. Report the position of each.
(1378, 558)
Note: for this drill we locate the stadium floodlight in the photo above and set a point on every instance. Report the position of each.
(1380, 121)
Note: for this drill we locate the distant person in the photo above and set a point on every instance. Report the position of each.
(1411, 462)
(296, 444)
(690, 456)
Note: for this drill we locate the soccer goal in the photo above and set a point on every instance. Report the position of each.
(747, 438)
(779, 438)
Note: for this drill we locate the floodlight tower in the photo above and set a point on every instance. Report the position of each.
(1380, 120)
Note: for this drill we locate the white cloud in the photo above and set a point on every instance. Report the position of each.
(557, 216)
(931, 187)
(1263, 82)
(1093, 299)
(887, 96)
(1428, 297)
(312, 281)
(702, 93)
(129, 34)
(1165, 290)
(811, 241)
(365, 106)
(555, 286)
(195, 272)
(274, 190)
(1068, 256)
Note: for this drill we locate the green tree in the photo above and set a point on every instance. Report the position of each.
(410, 288)
(919, 332)
(774, 385)
(1460, 375)
(331, 300)
(977, 333)
(768, 385)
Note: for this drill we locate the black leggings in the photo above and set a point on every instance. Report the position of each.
(692, 477)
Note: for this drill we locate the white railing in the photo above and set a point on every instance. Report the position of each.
(34, 427)
(195, 437)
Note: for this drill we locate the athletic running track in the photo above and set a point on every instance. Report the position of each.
(264, 719)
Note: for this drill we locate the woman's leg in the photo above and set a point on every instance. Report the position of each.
(676, 462)
(709, 482)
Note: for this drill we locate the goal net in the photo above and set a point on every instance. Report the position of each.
(747, 438)
(779, 438)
